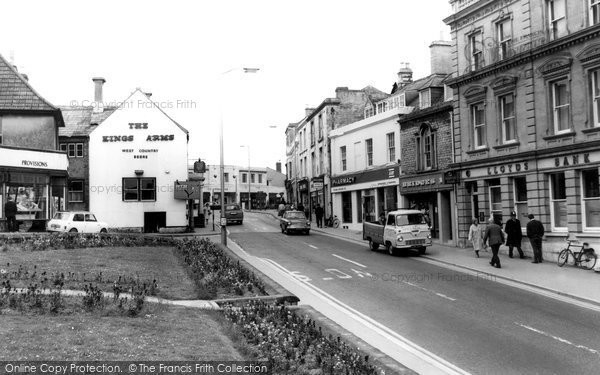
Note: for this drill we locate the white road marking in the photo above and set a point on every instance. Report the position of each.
(338, 273)
(361, 273)
(300, 276)
(314, 247)
(348, 260)
(430, 291)
(564, 341)
(328, 278)
(427, 362)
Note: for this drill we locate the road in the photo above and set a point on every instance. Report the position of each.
(472, 322)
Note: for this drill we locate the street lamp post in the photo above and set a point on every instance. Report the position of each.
(249, 200)
(223, 219)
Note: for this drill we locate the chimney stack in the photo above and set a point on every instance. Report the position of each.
(148, 95)
(99, 104)
(441, 57)
(25, 76)
(404, 75)
(308, 111)
(278, 166)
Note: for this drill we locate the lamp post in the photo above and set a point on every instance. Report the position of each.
(249, 200)
(223, 219)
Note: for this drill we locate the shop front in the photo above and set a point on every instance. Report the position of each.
(434, 196)
(561, 189)
(35, 181)
(317, 193)
(303, 191)
(364, 196)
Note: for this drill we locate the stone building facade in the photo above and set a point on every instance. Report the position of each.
(527, 128)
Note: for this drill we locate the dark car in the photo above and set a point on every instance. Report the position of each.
(294, 221)
(234, 214)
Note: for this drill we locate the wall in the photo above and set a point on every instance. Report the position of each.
(109, 164)
(36, 132)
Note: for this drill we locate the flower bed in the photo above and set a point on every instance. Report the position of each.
(294, 344)
(215, 273)
(45, 241)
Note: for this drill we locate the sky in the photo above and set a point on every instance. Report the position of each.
(180, 51)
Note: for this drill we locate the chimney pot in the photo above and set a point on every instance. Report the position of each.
(98, 83)
(148, 94)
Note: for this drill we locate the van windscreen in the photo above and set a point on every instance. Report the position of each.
(410, 219)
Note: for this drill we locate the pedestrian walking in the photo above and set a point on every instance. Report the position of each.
(10, 211)
(319, 215)
(535, 232)
(476, 236)
(494, 236)
(514, 235)
(281, 208)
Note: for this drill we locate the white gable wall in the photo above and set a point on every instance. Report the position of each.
(110, 162)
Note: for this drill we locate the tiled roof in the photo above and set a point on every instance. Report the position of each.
(16, 93)
(79, 120)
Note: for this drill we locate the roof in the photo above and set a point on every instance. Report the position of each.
(79, 120)
(17, 94)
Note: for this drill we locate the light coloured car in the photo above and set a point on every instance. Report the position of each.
(76, 221)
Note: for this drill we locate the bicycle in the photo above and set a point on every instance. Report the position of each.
(333, 222)
(586, 258)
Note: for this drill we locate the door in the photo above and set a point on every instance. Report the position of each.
(153, 221)
(91, 224)
(79, 222)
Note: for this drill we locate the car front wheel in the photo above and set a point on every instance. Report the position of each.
(103, 230)
(73, 230)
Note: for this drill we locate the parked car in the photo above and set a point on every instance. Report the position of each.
(76, 221)
(234, 214)
(403, 229)
(294, 221)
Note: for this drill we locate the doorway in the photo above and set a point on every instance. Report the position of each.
(153, 221)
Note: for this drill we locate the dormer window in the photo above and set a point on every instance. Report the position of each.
(369, 111)
(425, 98)
(381, 107)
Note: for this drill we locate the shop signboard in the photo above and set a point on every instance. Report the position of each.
(303, 185)
(316, 183)
(187, 190)
(47, 160)
(433, 182)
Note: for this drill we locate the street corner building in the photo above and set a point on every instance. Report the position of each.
(136, 156)
(526, 86)
(33, 170)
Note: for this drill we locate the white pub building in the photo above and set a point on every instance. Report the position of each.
(135, 157)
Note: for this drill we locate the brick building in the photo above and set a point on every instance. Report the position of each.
(527, 123)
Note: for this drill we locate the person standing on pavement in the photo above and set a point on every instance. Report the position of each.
(319, 215)
(476, 236)
(514, 235)
(10, 211)
(494, 237)
(535, 232)
(281, 208)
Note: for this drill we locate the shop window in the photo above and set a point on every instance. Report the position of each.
(478, 123)
(558, 202)
(76, 191)
(148, 189)
(369, 150)
(594, 12)
(346, 207)
(476, 50)
(343, 157)
(520, 191)
(591, 198)
(30, 200)
(507, 117)
(504, 31)
(391, 146)
(595, 91)
(557, 18)
(559, 99)
(496, 200)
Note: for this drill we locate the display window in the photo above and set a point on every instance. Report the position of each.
(31, 200)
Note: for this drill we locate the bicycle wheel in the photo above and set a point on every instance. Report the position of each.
(563, 257)
(587, 260)
(336, 223)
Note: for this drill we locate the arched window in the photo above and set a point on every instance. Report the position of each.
(426, 146)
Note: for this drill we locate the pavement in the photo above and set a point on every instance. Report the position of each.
(569, 281)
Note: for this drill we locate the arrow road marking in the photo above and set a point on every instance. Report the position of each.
(348, 260)
(564, 341)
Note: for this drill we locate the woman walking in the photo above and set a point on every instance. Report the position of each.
(476, 236)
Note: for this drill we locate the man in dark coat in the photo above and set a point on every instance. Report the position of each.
(10, 211)
(513, 235)
(319, 215)
(494, 237)
(535, 232)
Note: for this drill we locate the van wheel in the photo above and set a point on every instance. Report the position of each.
(373, 246)
(422, 250)
(390, 249)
